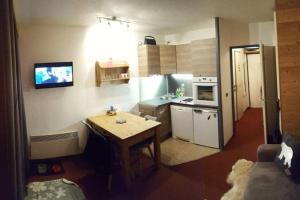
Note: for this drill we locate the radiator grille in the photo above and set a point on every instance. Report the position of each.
(61, 136)
(53, 146)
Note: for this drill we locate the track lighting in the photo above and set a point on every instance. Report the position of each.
(113, 19)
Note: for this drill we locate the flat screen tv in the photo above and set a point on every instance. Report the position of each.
(50, 75)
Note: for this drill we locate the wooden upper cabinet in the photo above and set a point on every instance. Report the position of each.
(149, 61)
(204, 57)
(167, 59)
(183, 58)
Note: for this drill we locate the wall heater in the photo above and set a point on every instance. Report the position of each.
(53, 146)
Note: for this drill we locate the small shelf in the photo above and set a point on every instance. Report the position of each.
(111, 70)
(112, 67)
(115, 79)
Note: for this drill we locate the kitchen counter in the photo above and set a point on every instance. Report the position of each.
(155, 102)
(158, 101)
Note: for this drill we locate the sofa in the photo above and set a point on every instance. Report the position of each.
(267, 180)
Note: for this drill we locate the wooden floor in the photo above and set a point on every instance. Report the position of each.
(200, 179)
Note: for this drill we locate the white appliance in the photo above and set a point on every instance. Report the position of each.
(182, 122)
(205, 90)
(206, 131)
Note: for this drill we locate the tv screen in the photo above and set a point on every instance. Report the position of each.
(49, 75)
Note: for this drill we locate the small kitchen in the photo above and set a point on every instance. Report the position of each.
(191, 115)
(189, 101)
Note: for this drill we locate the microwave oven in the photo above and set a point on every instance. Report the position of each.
(205, 91)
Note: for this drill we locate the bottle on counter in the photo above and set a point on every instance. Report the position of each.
(182, 90)
(177, 92)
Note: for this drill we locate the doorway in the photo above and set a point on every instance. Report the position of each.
(254, 86)
(247, 83)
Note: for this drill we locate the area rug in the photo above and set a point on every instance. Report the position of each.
(238, 178)
(60, 189)
(175, 152)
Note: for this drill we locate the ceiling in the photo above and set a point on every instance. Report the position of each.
(158, 15)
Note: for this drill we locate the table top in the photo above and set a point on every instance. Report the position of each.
(133, 126)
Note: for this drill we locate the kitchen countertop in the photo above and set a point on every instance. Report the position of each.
(158, 101)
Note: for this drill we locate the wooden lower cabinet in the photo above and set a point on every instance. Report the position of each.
(162, 113)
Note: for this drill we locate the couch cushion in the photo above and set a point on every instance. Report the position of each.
(288, 158)
(268, 181)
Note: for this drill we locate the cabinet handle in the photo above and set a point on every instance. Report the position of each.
(198, 111)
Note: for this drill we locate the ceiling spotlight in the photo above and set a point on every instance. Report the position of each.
(113, 18)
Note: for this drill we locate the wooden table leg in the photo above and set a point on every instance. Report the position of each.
(157, 147)
(125, 159)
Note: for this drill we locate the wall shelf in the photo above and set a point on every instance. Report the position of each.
(112, 70)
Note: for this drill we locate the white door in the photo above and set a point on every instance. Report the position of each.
(269, 97)
(182, 122)
(241, 82)
(255, 80)
(206, 127)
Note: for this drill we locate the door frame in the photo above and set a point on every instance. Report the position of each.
(231, 80)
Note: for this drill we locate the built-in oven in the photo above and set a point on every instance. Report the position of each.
(205, 91)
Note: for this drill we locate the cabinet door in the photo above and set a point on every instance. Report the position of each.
(206, 128)
(182, 122)
(148, 57)
(183, 56)
(167, 59)
(204, 57)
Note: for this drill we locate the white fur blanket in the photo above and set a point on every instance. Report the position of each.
(238, 178)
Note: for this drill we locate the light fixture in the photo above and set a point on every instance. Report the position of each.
(113, 19)
(182, 76)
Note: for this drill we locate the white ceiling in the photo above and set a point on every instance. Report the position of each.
(159, 15)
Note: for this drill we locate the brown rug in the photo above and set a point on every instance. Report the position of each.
(175, 152)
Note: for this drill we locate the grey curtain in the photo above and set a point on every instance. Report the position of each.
(13, 136)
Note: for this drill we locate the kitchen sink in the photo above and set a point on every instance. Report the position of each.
(187, 100)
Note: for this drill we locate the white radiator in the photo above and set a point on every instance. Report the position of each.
(53, 146)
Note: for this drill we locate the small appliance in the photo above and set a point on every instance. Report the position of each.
(205, 91)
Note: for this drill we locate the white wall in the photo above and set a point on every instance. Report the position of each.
(205, 31)
(232, 33)
(262, 32)
(58, 110)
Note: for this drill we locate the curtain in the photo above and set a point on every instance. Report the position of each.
(13, 135)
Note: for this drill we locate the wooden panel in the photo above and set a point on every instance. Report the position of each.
(184, 59)
(288, 29)
(286, 4)
(204, 57)
(148, 57)
(288, 15)
(167, 59)
(289, 56)
(288, 33)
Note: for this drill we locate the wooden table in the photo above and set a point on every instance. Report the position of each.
(135, 130)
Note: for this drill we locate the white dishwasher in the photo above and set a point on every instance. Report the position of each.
(206, 129)
(182, 122)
